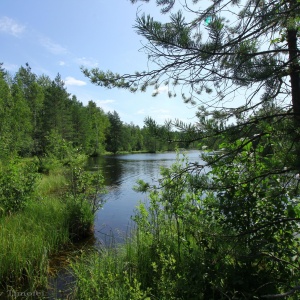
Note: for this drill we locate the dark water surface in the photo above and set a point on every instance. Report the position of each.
(121, 173)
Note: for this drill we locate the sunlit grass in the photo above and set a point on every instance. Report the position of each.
(49, 222)
(27, 238)
(149, 265)
(110, 274)
(51, 183)
(137, 269)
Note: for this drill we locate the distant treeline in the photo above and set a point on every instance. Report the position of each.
(37, 113)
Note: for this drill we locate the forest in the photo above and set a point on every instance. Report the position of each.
(38, 114)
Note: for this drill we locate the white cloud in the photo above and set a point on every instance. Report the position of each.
(52, 46)
(159, 114)
(164, 117)
(161, 89)
(72, 81)
(141, 112)
(105, 104)
(159, 111)
(10, 26)
(62, 63)
(10, 67)
(105, 101)
(87, 62)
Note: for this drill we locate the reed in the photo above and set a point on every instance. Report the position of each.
(108, 275)
(149, 265)
(26, 240)
(137, 269)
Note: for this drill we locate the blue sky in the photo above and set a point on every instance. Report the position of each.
(58, 36)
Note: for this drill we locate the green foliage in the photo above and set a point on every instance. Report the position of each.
(15, 126)
(160, 137)
(34, 97)
(114, 137)
(57, 147)
(83, 197)
(84, 184)
(52, 183)
(108, 276)
(39, 218)
(67, 178)
(213, 236)
(249, 220)
(40, 118)
(17, 185)
(173, 33)
(81, 219)
(261, 212)
(36, 112)
(97, 126)
(41, 213)
(237, 219)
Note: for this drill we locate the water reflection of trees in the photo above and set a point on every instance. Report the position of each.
(111, 167)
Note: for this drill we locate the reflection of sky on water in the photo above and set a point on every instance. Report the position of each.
(121, 173)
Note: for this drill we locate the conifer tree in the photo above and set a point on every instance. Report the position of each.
(238, 63)
(217, 52)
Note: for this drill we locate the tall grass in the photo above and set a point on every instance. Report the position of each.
(110, 274)
(49, 221)
(26, 240)
(182, 249)
(147, 266)
(53, 183)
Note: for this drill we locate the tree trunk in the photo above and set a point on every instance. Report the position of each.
(294, 71)
(295, 86)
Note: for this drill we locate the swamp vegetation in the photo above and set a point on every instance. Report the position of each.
(42, 214)
(226, 229)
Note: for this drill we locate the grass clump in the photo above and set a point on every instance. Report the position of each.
(108, 275)
(147, 266)
(28, 237)
(52, 183)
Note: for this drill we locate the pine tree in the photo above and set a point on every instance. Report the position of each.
(238, 63)
(114, 135)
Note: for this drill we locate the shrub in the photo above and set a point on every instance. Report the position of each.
(17, 185)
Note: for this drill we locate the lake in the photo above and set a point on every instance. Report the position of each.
(121, 173)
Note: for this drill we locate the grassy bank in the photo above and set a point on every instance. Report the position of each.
(27, 239)
(53, 213)
(150, 265)
(111, 274)
(162, 259)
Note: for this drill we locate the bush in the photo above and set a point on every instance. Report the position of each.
(82, 197)
(188, 246)
(17, 185)
(81, 218)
